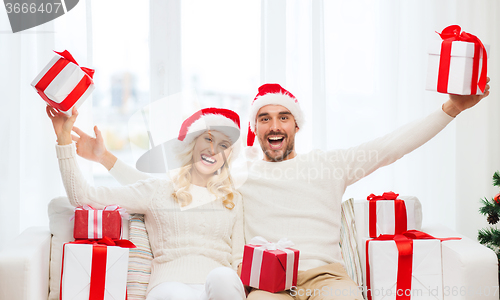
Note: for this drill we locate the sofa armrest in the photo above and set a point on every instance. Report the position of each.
(24, 266)
(470, 270)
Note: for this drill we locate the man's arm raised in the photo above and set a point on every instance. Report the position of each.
(364, 159)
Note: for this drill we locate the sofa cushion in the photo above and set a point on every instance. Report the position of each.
(139, 266)
(348, 243)
(60, 212)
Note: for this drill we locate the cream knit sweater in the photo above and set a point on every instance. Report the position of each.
(187, 244)
(300, 198)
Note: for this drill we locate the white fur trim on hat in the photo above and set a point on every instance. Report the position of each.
(214, 122)
(276, 99)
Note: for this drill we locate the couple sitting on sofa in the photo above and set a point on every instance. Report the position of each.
(195, 221)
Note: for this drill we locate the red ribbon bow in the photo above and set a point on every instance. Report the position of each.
(99, 258)
(108, 242)
(449, 35)
(401, 223)
(385, 196)
(123, 213)
(404, 243)
(70, 57)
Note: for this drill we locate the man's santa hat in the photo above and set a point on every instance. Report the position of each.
(217, 119)
(273, 93)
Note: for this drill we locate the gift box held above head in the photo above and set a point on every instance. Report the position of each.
(457, 64)
(269, 266)
(95, 224)
(63, 83)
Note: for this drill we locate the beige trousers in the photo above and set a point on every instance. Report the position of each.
(329, 282)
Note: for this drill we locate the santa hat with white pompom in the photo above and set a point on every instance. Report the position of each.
(271, 94)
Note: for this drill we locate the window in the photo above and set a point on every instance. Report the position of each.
(220, 65)
(121, 60)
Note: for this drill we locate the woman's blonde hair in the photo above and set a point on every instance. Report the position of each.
(220, 184)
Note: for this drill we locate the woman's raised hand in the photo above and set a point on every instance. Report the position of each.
(89, 147)
(62, 124)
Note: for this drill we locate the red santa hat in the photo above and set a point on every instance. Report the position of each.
(219, 119)
(273, 93)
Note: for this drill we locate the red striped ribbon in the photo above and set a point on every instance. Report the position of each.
(52, 73)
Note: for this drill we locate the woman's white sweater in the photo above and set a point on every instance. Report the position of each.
(187, 244)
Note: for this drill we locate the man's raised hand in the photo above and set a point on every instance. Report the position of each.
(459, 103)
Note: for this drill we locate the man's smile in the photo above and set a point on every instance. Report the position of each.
(275, 141)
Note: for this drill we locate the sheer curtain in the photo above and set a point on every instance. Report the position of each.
(29, 173)
(358, 69)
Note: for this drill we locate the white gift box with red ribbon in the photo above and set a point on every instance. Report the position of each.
(94, 271)
(63, 83)
(425, 274)
(457, 64)
(460, 71)
(270, 266)
(387, 214)
(387, 217)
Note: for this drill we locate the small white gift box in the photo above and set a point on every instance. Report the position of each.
(457, 64)
(385, 222)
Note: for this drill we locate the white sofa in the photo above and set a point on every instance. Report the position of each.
(25, 265)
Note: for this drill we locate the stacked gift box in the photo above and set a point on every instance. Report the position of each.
(95, 265)
(95, 224)
(401, 262)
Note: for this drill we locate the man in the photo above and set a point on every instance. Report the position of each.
(298, 196)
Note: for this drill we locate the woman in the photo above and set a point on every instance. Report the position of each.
(194, 222)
